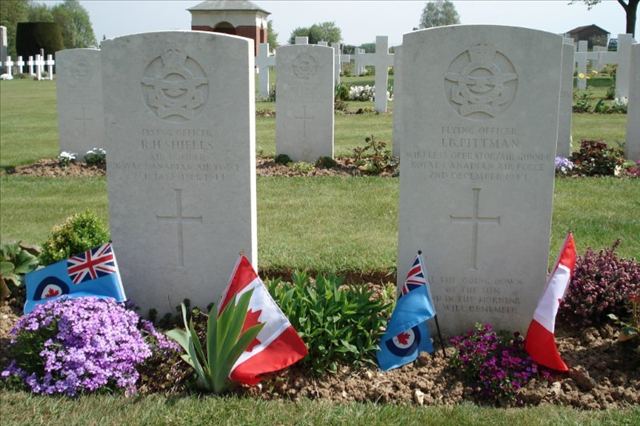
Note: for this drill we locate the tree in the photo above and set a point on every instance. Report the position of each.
(75, 23)
(630, 9)
(272, 36)
(439, 13)
(39, 12)
(324, 31)
(12, 12)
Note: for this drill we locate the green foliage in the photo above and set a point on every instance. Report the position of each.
(324, 31)
(302, 167)
(15, 262)
(96, 157)
(595, 158)
(225, 342)
(33, 36)
(341, 324)
(12, 12)
(40, 12)
(368, 47)
(75, 23)
(630, 330)
(342, 92)
(326, 163)
(78, 233)
(283, 159)
(373, 158)
(583, 103)
(439, 13)
(272, 36)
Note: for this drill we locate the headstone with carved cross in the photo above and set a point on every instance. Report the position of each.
(50, 63)
(180, 140)
(304, 104)
(79, 98)
(264, 62)
(381, 59)
(478, 140)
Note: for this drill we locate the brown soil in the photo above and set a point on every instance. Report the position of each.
(264, 167)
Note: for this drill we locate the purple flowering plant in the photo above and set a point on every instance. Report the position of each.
(494, 364)
(73, 346)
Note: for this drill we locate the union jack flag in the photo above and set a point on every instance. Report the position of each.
(92, 264)
(415, 277)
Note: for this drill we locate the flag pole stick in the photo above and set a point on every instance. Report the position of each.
(440, 336)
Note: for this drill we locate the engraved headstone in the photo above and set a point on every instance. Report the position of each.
(180, 138)
(301, 40)
(581, 66)
(632, 147)
(50, 63)
(565, 111)
(397, 94)
(381, 60)
(79, 98)
(623, 74)
(39, 63)
(304, 105)
(337, 61)
(264, 61)
(477, 169)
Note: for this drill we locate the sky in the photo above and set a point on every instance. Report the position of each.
(360, 21)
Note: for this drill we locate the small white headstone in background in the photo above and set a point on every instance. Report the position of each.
(565, 111)
(323, 43)
(337, 61)
(304, 104)
(360, 61)
(180, 132)
(8, 66)
(301, 40)
(381, 60)
(599, 63)
(264, 61)
(581, 59)
(79, 98)
(31, 63)
(623, 74)
(39, 67)
(632, 147)
(397, 95)
(3, 44)
(477, 172)
(20, 64)
(50, 64)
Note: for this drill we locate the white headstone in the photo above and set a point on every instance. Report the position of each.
(264, 61)
(79, 98)
(623, 74)
(304, 105)
(180, 133)
(477, 169)
(632, 147)
(599, 63)
(31, 63)
(301, 40)
(20, 64)
(337, 61)
(39, 66)
(50, 64)
(565, 110)
(8, 66)
(3, 44)
(323, 43)
(581, 59)
(381, 60)
(397, 95)
(360, 61)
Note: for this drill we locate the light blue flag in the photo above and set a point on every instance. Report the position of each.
(407, 333)
(92, 273)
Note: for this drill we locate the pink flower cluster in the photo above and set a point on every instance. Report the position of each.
(72, 346)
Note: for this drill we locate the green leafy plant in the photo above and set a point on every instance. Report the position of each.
(96, 157)
(283, 159)
(583, 103)
(373, 158)
(341, 324)
(630, 330)
(595, 158)
(15, 262)
(341, 92)
(326, 163)
(302, 167)
(78, 233)
(225, 342)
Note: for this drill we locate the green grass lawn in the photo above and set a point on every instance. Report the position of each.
(22, 408)
(331, 224)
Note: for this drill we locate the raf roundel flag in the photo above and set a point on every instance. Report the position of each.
(92, 273)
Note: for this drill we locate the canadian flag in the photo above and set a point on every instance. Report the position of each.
(278, 345)
(540, 342)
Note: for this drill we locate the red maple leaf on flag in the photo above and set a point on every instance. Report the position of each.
(51, 293)
(403, 338)
(251, 320)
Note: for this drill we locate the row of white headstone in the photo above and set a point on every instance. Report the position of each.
(476, 123)
(35, 66)
(600, 57)
(381, 60)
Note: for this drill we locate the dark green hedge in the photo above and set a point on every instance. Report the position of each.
(33, 36)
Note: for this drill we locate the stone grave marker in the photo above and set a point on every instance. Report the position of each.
(397, 90)
(632, 147)
(20, 65)
(265, 61)
(477, 169)
(381, 60)
(39, 63)
(623, 75)
(180, 134)
(8, 66)
(565, 110)
(581, 66)
(31, 63)
(301, 40)
(79, 98)
(50, 63)
(304, 105)
(360, 61)
(3, 44)
(337, 61)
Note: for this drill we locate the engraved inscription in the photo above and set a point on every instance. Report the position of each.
(490, 296)
(179, 220)
(305, 66)
(80, 72)
(475, 220)
(175, 86)
(304, 117)
(84, 119)
(481, 82)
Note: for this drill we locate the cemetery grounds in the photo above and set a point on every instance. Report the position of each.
(322, 224)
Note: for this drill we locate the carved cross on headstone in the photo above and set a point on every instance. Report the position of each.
(475, 220)
(304, 119)
(84, 120)
(179, 220)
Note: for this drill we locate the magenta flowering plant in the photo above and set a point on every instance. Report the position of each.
(494, 365)
(72, 346)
